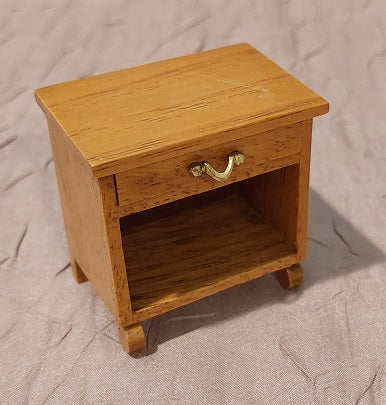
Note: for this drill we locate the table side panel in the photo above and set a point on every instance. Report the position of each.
(93, 236)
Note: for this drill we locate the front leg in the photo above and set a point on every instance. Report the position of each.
(132, 337)
(77, 272)
(290, 277)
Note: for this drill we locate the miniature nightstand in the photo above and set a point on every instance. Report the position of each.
(182, 178)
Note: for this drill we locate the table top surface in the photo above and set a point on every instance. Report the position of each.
(131, 117)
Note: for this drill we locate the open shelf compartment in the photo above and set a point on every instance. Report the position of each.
(194, 247)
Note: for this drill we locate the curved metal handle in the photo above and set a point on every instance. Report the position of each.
(234, 158)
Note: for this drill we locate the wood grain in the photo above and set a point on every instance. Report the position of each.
(93, 236)
(171, 179)
(282, 195)
(290, 277)
(139, 116)
(303, 191)
(132, 337)
(122, 143)
(197, 250)
(174, 195)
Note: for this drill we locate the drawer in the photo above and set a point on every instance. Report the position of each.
(169, 180)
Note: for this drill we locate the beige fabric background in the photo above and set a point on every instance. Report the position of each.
(254, 344)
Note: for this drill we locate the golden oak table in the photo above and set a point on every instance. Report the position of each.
(182, 178)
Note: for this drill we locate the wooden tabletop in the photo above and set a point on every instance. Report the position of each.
(140, 115)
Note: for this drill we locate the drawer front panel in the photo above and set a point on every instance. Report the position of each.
(166, 181)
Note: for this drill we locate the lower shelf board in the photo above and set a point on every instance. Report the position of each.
(190, 253)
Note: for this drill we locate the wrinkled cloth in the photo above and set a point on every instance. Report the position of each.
(324, 343)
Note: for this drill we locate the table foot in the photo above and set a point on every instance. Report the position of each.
(132, 337)
(290, 277)
(77, 272)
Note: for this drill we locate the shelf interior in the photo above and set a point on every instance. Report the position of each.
(191, 248)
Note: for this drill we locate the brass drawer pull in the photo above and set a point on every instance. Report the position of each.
(234, 158)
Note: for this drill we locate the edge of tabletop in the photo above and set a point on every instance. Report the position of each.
(116, 165)
(112, 165)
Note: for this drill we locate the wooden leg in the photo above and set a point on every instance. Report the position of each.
(77, 272)
(291, 277)
(132, 337)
